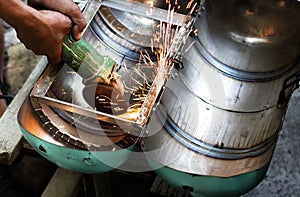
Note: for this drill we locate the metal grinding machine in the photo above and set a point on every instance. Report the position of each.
(207, 124)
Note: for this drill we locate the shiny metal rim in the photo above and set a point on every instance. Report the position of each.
(206, 149)
(113, 18)
(126, 142)
(105, 38)
(238, 74)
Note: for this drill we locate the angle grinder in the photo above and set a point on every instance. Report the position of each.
(104, 90)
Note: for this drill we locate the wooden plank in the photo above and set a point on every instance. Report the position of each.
(10, 133)
(97, 185)
(63, 183)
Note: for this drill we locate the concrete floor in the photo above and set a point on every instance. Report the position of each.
(283, 177)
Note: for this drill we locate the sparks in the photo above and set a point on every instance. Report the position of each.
(145, 81)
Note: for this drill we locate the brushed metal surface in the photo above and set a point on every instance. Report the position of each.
(252, 36)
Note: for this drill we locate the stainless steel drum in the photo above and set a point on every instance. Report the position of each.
(219, 119)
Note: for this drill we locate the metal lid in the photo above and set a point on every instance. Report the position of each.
(251, 36)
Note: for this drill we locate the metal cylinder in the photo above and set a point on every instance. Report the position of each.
(220, 115)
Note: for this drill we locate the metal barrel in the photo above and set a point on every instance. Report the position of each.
(221, 114)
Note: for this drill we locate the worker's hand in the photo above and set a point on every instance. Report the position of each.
(66, 7)
(43, 33)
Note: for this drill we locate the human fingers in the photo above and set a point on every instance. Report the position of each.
(59, 26)
(66, 7)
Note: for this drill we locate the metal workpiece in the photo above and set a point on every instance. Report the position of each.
(221, 114)
(251, 36)
(94, 116)
(58, 97)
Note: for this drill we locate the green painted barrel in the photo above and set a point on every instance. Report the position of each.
(78, 160)
(211, 186)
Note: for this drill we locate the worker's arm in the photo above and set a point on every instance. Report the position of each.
(40, 30)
